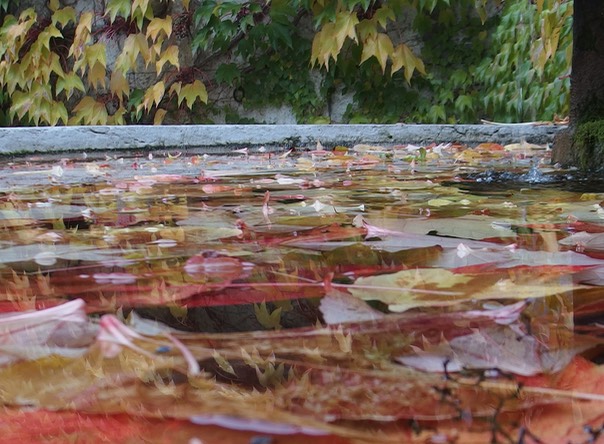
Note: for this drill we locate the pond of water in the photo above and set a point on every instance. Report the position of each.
(438, 260)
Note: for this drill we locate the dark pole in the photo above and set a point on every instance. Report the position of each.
(587, 81)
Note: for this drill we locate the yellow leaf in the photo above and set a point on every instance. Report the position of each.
(132, 47)
(118, 117)
(64, 16)
(153, 95)
(58, 112)
(403, 57)
(96, 75)
(159, 116)
(82, 34)
(169, 55)
(191, 92)
(185, 4)
(89, 112)
(328, 42)
(119, 85)
(158, 25)
(175, 88)
(53, 5)
(378, 46)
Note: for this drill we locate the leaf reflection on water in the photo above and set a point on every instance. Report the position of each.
(389, 292)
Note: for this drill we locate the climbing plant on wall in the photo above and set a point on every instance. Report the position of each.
(136, 61)
(55, 70)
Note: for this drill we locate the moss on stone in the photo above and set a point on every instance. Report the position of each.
(589, 144)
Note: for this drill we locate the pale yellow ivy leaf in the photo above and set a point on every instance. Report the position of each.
(82, 34)
(169, 55)
(153, 95)
(379, 46)
(328, 42)
(89, 112)
(158, 25)
(185, 4)
(96, 75)
(141, 11)
(119, 85)
(48, 33)
(344, 28)
(403, 57)
(58, 113)
(158, 118)
(134, 45)
(191, 92)
(175, 88)
(118, 117)
(21, 103)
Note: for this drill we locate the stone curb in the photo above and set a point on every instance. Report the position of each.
(219, 139)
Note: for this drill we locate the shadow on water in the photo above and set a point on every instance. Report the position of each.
(495, 180)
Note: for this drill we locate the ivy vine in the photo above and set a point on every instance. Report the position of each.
(191, 60)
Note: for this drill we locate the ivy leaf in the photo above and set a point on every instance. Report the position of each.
(153, 95)
(175, 88)
(96, 75)
(403, 57)
(118, 7)
(378, 46)
(64, 16)
(267, 319)
(134, 45)
(68, 83)
(89, 112)
(158, 25)
(328, 42)
(118, 117)
(191, 92)
(464, 102)
(119, 85)
(159, 116)
(169, 55)
(227, 73)
(82, 35)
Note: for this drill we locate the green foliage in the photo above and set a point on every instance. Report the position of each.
(517, 83)
(589, 143)
(301, 54)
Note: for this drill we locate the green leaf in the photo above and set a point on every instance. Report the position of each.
(118, 7)
(267, 319)
(68, 84)
(64, 16)
(228, 73)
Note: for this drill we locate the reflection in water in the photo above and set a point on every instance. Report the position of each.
(460, 276)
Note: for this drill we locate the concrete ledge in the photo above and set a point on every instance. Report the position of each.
(223, 138)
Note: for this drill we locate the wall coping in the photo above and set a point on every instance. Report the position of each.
(222, 139)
